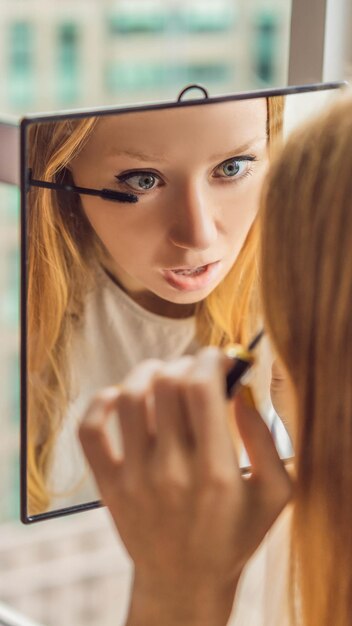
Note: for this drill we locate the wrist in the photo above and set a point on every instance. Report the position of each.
(160, 604)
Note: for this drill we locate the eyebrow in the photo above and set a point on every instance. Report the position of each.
(240, 149)
(141, 156)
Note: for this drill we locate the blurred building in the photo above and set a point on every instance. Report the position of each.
(84, 52)
(81, 53)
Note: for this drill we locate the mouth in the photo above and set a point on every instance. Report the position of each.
(191, 278)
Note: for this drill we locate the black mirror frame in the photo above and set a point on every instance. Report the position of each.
(24, 186)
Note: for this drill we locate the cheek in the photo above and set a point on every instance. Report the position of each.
(241, 202)
(240, 209)
(124, 233)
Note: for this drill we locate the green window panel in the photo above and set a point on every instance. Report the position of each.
(216, 18)
(141, 22)
(68, 79)
(20, 63)
(206, 73)
(265, 45)
(136, 77)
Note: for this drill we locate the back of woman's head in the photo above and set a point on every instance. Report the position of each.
(307, 295)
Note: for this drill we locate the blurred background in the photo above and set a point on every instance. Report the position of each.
(82, 53)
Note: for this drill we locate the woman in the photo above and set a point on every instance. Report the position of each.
(116, 283)
(192, 577)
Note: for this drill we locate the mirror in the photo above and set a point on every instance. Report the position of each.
(139, 241)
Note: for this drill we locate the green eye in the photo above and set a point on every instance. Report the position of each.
(232, 168)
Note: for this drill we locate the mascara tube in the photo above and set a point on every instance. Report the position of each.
(243, 360)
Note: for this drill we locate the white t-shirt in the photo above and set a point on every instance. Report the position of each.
(115, 334)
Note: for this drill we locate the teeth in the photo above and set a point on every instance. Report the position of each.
(191, 272)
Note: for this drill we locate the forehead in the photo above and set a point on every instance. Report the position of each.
(213, 127)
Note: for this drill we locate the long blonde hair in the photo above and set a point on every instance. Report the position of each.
(306, 284)
(60, 244)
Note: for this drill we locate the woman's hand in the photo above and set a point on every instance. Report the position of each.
(188, 519)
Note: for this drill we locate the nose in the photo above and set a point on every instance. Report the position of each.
(194, 226)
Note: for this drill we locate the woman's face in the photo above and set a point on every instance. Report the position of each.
(197, 172)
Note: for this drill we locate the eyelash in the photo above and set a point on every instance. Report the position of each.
(122, 178)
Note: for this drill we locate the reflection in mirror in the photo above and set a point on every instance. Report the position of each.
(142, 240)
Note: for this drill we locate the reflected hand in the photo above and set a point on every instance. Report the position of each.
(282, 396)
(188, 519)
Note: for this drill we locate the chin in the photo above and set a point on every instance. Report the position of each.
(186, 297)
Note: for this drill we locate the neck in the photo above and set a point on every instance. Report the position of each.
(152, 303)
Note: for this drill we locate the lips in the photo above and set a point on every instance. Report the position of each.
(192, 278)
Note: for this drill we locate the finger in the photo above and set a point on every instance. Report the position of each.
(135, 413)
(94, 438)
(265, 461)
(173, 429)
(208, 410)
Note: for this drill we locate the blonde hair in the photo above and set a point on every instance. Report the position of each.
(306, 284)
(230, 313)
(60, 244)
